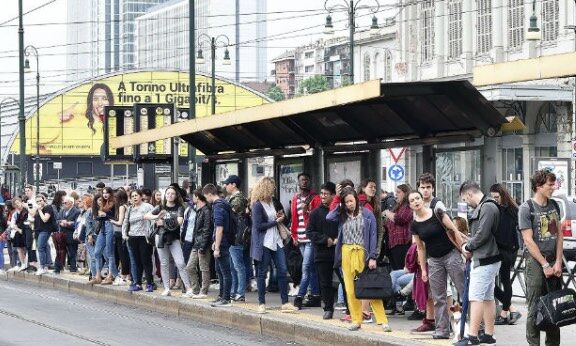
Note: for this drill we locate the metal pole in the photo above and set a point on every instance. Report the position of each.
(175, 153)
(37, 123)
(213, 57)
(192, 92)
(237, 41)
(351, 21)
(21, 116)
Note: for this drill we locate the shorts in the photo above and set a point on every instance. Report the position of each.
(482, 280)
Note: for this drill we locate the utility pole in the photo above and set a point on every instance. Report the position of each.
(237, 48)
(21, 116)
(192, 175)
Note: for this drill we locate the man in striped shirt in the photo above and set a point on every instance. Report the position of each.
(302, 204)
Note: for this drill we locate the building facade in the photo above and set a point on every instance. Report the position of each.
(284, 74)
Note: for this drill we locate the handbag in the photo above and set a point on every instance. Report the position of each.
(373, 284)
(556, 309)
(284, 231)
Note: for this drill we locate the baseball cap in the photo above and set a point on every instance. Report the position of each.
(233, 179)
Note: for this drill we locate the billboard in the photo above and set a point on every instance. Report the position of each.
(71, 123)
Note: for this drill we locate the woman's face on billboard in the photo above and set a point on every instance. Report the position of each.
(99, 101)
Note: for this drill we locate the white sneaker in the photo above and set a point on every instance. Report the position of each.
(119, 281)
(22, 268)
(40, 272)
(189, 294)
(199, 296)
(165, 293)
(14, 269)
(261, 309)
(293, 291)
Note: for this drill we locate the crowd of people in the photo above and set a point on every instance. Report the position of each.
(184, 240)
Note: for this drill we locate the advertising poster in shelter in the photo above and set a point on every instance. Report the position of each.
(288, 182)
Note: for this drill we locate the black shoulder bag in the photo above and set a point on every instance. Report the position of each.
(556, 309)
(373, 284)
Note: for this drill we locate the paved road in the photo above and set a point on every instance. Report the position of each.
(34, 316)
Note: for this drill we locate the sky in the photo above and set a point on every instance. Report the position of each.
(290, 24)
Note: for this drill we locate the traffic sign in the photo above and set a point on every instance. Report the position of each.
(396, 172)
(396, 153)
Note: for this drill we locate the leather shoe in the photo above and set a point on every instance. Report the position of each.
(328, 315)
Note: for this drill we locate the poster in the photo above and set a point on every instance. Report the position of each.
(561, 168)
(288, 182)
(71, 122)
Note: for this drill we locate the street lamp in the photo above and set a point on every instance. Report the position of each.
(351, 8)
(220, 41)
(534, 33)
(29, 50)
(5, 100)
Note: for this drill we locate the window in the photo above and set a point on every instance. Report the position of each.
(308, 55)
(550, 15)
(484, 26)
(309, 68)
(515, 23)
(387, 66)
(377, 66)
(427, 29)
(454, 29)
(366, 67)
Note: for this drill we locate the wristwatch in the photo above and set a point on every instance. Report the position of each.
(546, 266)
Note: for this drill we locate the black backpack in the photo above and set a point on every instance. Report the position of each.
(243, 225)
(230, 234)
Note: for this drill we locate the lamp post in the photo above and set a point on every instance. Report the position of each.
(192, 92)
(351, 9)
(219, 41)
(29, 50)
(21, 116)
(5, 100)
(534, 33)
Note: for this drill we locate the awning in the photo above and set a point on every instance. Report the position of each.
(371, 112)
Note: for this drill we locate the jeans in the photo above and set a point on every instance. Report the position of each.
(504, 294)
(92, 258)
(341, 294)
(535, 288)
(400, 278)
(309, 276)
(224, 273)
(43, 248)
(279, 259)
(105, 246)
(133, 266)
(238, 270)
(174, 249)
(2, 245)
(249, 265)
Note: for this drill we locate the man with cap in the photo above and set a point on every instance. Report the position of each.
(241, 264)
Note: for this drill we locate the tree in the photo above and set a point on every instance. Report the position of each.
(275, 93)
(313, 85)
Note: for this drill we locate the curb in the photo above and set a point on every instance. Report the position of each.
(283, 327)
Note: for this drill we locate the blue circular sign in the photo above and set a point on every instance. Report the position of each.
(396, 172)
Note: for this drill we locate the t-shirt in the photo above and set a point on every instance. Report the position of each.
(433, 235)
(221, 212)
(135, 216)
(301, 230)
(50, 225)
(545, 228)
(171, 219)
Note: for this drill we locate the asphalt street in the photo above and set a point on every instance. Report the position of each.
(35, 316)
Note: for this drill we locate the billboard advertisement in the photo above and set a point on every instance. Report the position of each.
(71, 123)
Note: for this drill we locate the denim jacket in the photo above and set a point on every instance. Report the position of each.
(370, 234)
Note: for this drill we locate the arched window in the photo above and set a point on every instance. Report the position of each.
(376, 68)
(387, 66)
(366, 67)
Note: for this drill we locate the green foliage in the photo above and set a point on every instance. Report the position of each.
(313, 85)
(275, 93)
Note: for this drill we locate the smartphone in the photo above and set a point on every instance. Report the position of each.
(30, 206)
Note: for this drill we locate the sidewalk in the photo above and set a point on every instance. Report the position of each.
(305, 327)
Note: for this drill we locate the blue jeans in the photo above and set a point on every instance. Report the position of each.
(248, 264)
(238, 270)
(92, 257)
(43, 248)
(400, 278)
(309, 276)
(224, 273)
(279, 259)
(2, 245)
(105, 246)
(133, 267)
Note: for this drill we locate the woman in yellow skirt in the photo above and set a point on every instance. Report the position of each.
(356, 245)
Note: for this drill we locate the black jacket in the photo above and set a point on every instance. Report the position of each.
(507, 235)
(203, 229)
(318, 231)
(68, 215)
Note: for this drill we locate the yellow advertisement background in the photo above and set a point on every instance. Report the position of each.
(74, 137)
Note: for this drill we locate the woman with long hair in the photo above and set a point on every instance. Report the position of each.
(169, 217)
(19, 217)
(58, 200)
(120, 246)
(98, 97)
(439, 257)
(103, 211)
(156, 198)
(266, 243)
(507, 241)
(356, 246)
(398, 225)
(135, 229)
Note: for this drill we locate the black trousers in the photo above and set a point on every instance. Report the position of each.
(398, 256)
(29, 243)
(121, 253)
(325, 272)
(504, 295)
(142, 252)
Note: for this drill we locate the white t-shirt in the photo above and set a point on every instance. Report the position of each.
(272, 239)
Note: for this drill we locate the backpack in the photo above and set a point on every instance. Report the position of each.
(243, 224)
